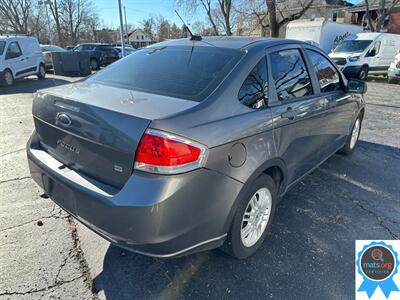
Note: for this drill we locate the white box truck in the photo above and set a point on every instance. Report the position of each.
(320, 32)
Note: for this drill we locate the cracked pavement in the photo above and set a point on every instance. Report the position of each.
(308, 254)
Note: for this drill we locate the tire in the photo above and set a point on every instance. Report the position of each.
(8, 78)
(391, 80)
(94, 64)
(363, 73)
(352, 138)
(243, 247)
(42, 72)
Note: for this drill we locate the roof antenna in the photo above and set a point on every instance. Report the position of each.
(192, 36)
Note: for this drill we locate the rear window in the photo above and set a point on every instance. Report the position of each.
(2, 46)
(190, 73)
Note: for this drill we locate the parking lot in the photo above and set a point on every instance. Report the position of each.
(309, 253)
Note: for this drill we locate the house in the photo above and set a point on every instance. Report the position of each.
(327, 9)
(138, 38)
(356, 14)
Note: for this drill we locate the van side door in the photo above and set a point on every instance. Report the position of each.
(15, 60)
(298, 111)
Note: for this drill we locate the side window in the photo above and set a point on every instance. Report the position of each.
(328, 77)
(13, 50)
(254, 90)
(290, 75)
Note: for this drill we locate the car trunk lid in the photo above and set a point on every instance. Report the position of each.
(95, 129)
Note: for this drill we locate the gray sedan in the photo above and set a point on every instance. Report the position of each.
(189, 145)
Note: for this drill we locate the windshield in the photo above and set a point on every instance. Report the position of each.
(184, 72)
(352, 46)
(2, 45)
(51, 48)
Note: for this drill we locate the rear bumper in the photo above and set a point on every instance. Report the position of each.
(162, 216)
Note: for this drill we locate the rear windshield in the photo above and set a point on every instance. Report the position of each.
(186, 72)
(2, 45)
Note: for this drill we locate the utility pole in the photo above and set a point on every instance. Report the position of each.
(121, 28)
(45, 3)
(126, 26)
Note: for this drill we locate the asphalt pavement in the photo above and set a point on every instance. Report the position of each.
(309, 253)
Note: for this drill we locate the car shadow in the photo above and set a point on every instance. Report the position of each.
(31, 85)
(308, 254)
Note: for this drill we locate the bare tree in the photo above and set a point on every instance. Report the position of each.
(15, 14)
(285, 16)
(226, 8)
(219, 13)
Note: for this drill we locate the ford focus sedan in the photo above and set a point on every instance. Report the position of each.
(189, 145)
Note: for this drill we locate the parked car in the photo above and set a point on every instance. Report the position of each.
(193, 147)
(69, 48)
(394, 69)
(47, 51)
(100, 54)
(366, 53)
(128, 50)
(320, 32)
(20, 56)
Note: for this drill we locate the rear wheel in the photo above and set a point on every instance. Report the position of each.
(8, 78)
(352, 138)
(42, 72)
(94, 64)
(363, 73)
(252, 219)
(392, 80)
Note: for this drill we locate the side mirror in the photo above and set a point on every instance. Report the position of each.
(356, 86)
(372, 52)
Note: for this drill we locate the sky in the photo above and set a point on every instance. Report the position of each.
(136, 11)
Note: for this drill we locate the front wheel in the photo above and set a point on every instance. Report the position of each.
(42, 72)
(94, 64)
(8, 78)
(352, 138)
(252, 219)
(363, 74)
(391, 80)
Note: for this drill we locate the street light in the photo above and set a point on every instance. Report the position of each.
(121, 29)
(45, 3)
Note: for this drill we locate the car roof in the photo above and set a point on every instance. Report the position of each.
(232, 42)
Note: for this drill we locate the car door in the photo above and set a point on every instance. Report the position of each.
(340, 108)
(15, 59)
(298, 111)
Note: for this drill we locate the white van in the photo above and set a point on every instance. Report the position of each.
(320, 32)
(366, 53)
(20, 56)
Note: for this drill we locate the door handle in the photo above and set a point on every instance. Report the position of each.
(289, 114)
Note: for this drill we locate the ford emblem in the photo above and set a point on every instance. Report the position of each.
(64, 119)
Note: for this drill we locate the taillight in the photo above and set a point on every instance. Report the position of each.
(164, 153)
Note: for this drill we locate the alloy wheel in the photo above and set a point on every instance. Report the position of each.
(8, 78)
(355, 133)
(256, 216)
